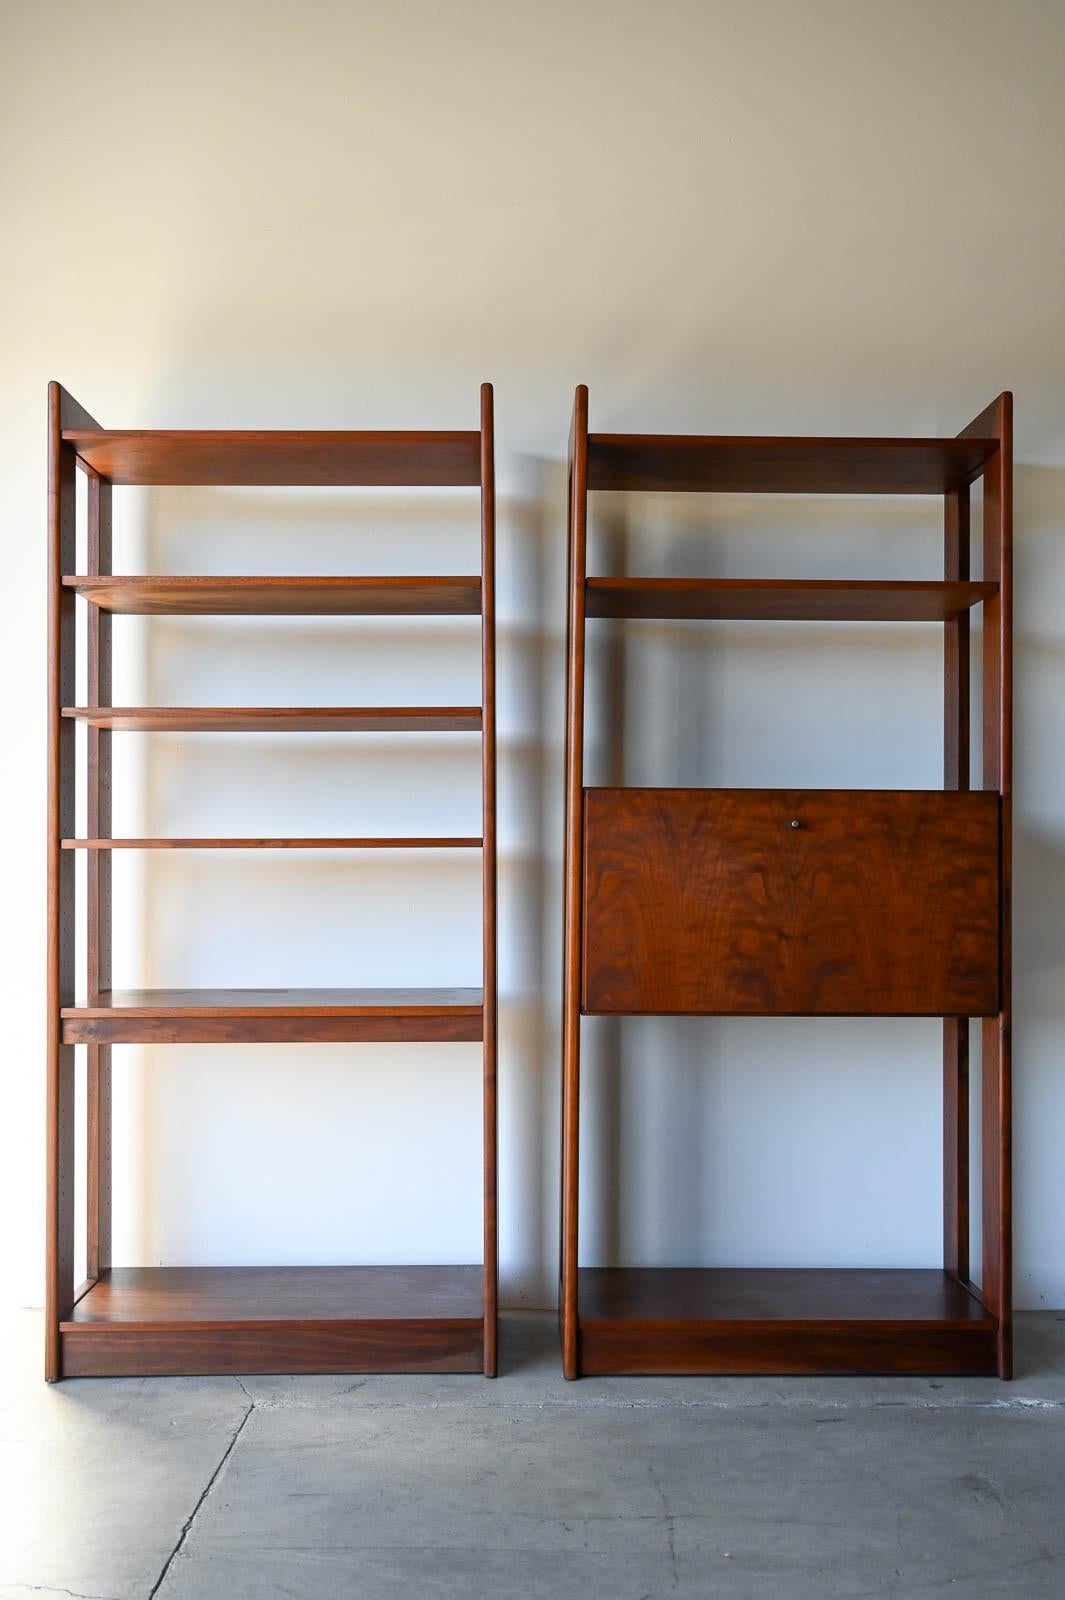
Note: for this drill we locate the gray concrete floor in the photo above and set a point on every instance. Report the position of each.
(381, 1488)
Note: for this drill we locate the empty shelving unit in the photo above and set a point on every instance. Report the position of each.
(748, 902)
(244, 1319)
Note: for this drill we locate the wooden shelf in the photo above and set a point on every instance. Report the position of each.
(667, 462)
(284, 596)
(280, 719)
(783, 600)
(432, 459)
(221, 1016)
(743, 1320)
(470, 843)
(358, 1319)
(171, 1320)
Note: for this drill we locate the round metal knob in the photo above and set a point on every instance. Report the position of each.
(795, 823)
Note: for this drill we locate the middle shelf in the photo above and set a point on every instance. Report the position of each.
(281, 596)
(464, 843)
(279, 719)
(276, 1016)
(783, 599)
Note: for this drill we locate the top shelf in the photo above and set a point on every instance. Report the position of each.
(422, 459)
(727, 465)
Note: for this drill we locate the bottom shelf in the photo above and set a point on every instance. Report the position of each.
(145, 1321)
(784, 1320)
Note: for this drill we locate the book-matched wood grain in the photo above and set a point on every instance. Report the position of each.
(278, 719)
(782, 599)
(198, 456)
(767, 902)
(179, 1320)
(698, 901)
(281, 596)
(750, 465)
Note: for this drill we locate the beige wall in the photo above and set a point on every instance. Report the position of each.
(721, 216)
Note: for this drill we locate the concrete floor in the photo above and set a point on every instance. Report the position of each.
(381, 1488)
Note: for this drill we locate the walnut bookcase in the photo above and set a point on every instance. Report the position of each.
(244, 1319)
(812, 902)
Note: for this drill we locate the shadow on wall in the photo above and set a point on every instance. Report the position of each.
(758, 1141)
(805, 1141)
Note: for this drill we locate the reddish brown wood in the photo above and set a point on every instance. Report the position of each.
(669, 1320)
(956, 1227)
(277, 1319)
(995, 1070)
(782, 600)
(98, 892)
(573, 873)
(750, 465)
(907, 913)
(221, 1016)
(782, 903)
(433, 459)
(97, 845)
(59, 966)
(488, 869)
(421, 1319)
(286, 596)
(278, 719)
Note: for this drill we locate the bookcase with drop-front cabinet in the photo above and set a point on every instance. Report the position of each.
(747, 902)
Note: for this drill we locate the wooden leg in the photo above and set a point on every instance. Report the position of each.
(956, 1145)
(997, 1185)
(98, 891)
(956, 546)
(59, 1203)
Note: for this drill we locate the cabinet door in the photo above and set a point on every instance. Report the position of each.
(789, 903)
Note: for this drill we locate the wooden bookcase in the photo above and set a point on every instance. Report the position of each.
(244, 1319)
(802, 902)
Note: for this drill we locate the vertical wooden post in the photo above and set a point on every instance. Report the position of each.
(995, 1069)
(98, 885)
(59, 1207)
(488, 880)
(573, 872)
(956, 776)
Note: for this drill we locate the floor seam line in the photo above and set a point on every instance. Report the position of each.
(212, 1480)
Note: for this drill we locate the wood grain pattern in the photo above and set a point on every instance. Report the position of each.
(782, 600)
(400, 459)
(714, 902)
(750, 465)
(489, 888)
(278, 719)
(235, 1016)
(855, 1320)
(281, 596)
(277, 1319)
(871, 904)
(573, 881)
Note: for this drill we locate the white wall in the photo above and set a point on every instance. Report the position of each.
(765, 217)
